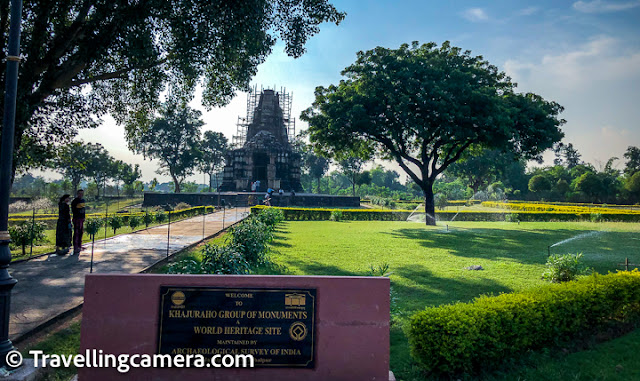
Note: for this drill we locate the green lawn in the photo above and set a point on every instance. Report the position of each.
(427, 262)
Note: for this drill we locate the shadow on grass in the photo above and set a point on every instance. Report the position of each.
(524, 246)
(427, 289)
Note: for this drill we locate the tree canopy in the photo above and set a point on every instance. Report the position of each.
(423, 106)
(213, 147)
(173, 139)
(84, 59)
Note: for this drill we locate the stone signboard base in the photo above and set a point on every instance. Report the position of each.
(351, 325)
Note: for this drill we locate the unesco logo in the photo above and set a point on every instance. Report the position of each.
(298, 331)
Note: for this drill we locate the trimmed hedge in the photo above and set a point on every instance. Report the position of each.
(321, 214)
(50, 220)
(480, 335)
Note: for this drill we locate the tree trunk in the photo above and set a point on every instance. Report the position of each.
(75, 183)
(176, 185)
(429, 204)
(210, 182)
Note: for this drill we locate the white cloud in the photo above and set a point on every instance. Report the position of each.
(597, 84)
(528, 11)
(600, 6)
(601, 59)
(475, 14)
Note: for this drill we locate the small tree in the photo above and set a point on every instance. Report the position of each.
(24, 232)
(214, 147)
(147, 218)
(161, 217)
(173, 139)
(116, 222)
(134, 222)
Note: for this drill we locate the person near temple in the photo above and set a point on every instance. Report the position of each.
(63, 227)
(78, 211)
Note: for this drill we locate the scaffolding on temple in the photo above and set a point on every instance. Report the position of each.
(253, 99)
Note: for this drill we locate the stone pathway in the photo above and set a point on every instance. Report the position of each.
(49, 286)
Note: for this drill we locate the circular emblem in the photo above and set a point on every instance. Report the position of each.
(298, 331)
(178, 298)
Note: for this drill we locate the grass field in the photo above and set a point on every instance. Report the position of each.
(428, 262)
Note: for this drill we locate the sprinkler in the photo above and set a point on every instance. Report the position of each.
(549, 250)
(447, 227)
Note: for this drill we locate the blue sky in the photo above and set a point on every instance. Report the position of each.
(584, 55)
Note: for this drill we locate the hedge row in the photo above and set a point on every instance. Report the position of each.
(470, 337)
(540, 207)
(535, 216)
(321, 214)
(50, 222)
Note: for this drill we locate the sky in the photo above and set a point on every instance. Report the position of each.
(584, 55)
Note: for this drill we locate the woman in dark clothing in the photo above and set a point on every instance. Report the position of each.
(63, 228)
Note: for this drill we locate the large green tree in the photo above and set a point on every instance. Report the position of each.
(76, 161)
(86, 58)
(481, 167)
(632, 155)
(424, 106)
(174, 139)
(316, 165)
(213, 147)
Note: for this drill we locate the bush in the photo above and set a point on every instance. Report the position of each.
(336, 215)
(596, 217)
(512, 217)
(116, 222)
(92, 226)
(251, 239)
(134, 222)
(564, 268)
(270, 217)
(161, 217)
(23, 233)
(215, 260)
(147, 219)
(476, 336)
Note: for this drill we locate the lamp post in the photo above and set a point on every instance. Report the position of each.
(6, 159)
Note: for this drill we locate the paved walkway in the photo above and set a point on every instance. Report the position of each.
(49, 286)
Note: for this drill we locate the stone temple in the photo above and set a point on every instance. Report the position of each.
(264, 151)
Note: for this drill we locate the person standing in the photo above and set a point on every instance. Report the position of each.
(77, 208)
(63, 227)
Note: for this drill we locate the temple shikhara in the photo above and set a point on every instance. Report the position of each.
(265, 153)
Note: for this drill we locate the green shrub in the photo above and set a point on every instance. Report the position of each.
(596, 217)
(337, 215)
(477, 336)
(564, 268)
(92, 226)
(215, 260)
(512, 217)
(251, 239)
(147, 219)
(115, 222)
(134, 222)
(161, 217)
(270, 217)
(24, 232)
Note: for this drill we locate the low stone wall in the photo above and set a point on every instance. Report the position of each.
(250, 199)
